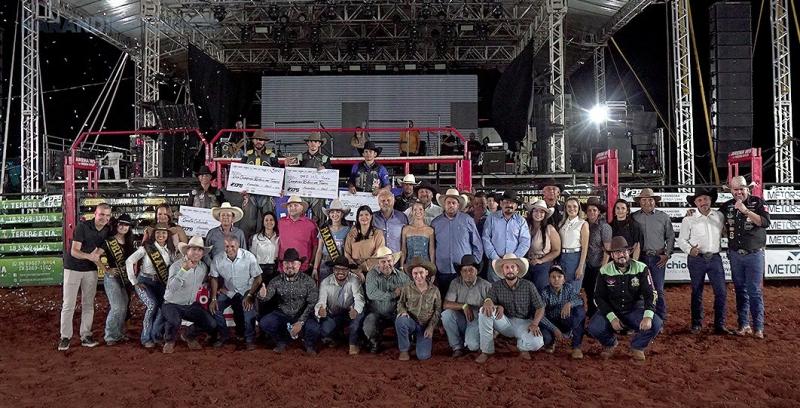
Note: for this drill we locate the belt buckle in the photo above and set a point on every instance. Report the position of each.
(742, 251)
(708, 255)
(651, 253)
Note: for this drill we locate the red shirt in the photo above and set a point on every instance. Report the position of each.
(300, 235)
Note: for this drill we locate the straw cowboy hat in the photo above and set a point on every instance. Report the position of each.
(619, 243)
(336, 205)
(540, 205)
(419, 262)
(647, 193)
(195, 242)
(383, 252)
(260, 135)
(296, 199)
(410, 179)
(702, 191)
(315, 137)
(594, 202)
(521, 263)
(741, 180)
(454, 194)
(237, 212)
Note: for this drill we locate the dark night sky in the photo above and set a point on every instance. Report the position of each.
(72, 62)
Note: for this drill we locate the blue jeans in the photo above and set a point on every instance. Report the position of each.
(569, 263)
(274, 324)
(699, 267)
(574, 323)
(658, 275)
(539, 275)
(174, 314)
(153, 297)
(601, 329)
(118, 307)
(405, 325)
(326, 326)
(459, 331)
(747, 272)
(245, 319)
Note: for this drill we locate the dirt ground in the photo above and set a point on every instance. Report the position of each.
(682, 369)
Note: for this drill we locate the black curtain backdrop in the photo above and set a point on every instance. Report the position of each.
(512, 98)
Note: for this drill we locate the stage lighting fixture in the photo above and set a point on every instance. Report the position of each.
(599, 114)
(302, 17)
(497, 10)
(330, 13)
(246, 33)
(367, 12)
(425, 11)
(219, 13)
(283, 19)
(273, 13)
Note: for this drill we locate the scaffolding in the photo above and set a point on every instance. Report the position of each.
(147, 86)
(682, 73)
(600, 75)
(782, 92)
(556, 11)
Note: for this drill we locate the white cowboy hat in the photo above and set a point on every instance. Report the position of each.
(521, 263)
(540, 205)
(195, 242)
(410, 179)
(336, 205)
(296, 199)
(237, 212)
(742, 181)
(451, 192)
(383, 252)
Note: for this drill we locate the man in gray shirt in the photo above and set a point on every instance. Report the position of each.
(185, 279)
(461, 305)
(383, 289)
(659, 240)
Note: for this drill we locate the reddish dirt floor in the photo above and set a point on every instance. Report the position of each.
(681, 370)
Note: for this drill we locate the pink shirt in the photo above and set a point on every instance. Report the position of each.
(300, 235)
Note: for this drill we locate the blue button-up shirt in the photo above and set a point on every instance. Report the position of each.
(238, 274)
(391, 227)
(455, 237)
(503, 236)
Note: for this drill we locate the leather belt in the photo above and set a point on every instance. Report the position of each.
(654, 253)
(570, 250)
(747, 251)
(709, 255)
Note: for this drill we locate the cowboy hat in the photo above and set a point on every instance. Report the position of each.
(618, 243)
(440, 198)
(419, 262)
(741, 180)
(195, 242)
(237, 212)
(315, 137)
(336, 205)
(124, 219)
(594, 202)
(521, 263)
(295, 199)
(162, 227)
(383, 252)
(342, 262)
(540, 205)
(291, 255)
(370, 145)
(204, 171)
(510, 196)
(647, 193)
(551, 182)
(467, 260)
(260, 135)
(410, 179)
(424, 185)
(702, 191)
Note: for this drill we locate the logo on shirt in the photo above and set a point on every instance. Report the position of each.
(635, 282)
(611, 281)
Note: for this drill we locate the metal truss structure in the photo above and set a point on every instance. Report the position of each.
(782, 92)
(682, 73)
(556, 11)
(147, 85)
(600, 75)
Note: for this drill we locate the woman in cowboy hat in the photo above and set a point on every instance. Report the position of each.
(599, 243)
(227, 215)
(117, 249)
(368, 175)
(331, 238)
(623, 225)
(545, 243)
(362, 241)
(574, 232)
(419, 310)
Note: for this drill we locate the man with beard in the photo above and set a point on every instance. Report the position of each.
(383, 285)
(298, 232)
(259, 155)
(506, 232)
(403, 201)
(389, 220)
(625, 299)
(207, 196)
(456, 236)
(461, 305)
(659, 241)
(313, 158)
(425, 195)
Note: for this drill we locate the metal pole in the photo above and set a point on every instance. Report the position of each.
(8, 105)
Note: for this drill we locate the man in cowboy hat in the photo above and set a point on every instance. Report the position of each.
(180, 298)
(418, 310)
(368, 175)
(313, 158)
(297, 294)
(298, 232)
(461, 305)
(513, 308)
(456, 235)
(551, 194)
(227, 215)
(389, 220)
(340, 303)
(425, 195)
(383, 285)
(407, 197)
(625, 298)
(241, 278)
(207, 196)
(746, 223)
(659, 241)
(700, 238)
(259, 155)
(506, 231)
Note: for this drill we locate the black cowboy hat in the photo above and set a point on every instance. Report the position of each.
(703, 191)
(467, 260)
(509, 195)
(370, 145)
(340, 261)
(551, 182)
(594, 202)
(618, 243)
(124, 219)
(204, 170)
(292, 255)
(427, 186)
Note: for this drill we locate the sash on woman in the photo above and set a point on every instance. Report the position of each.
(119, 257)
(162, 269)
(330, 243)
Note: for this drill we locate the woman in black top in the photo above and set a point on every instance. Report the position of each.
(623, 225)
(117, 249)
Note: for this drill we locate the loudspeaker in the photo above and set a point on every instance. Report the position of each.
(494, 162)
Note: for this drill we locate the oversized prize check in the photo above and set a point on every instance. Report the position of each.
(314, 183)
(353, 201)
(261, 180)
(196, 221)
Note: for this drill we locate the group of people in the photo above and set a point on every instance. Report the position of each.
(468, 261)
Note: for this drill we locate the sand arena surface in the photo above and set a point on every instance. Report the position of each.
(681, 370)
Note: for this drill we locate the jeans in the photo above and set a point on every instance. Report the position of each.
(574, 323)
(173, 314)
(153, 297)
(699, 267)
(589, 283)
(118, 307)
(747, 272)
(86, 281)
(326, 327)
(375, 323)
(509, 327)
(461, 333)
(443, 281)
(274, 324)
(405, 325)
(245, 320)
(658, 275)
(601, 329)
(539, 275)
(569, 263)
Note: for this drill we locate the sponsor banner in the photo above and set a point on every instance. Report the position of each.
(31, 247)
(782, 264)
(783, 225)
(30, 218)
(789, 209)
(353, 201)
(770, 195)
(312, 183)
(31, 271)
(630, 193)
(678, 271)
(53, 201)
(14, 233)
(261, 180)
(783, 239)
(196, 221)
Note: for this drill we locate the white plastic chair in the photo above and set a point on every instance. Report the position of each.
(111, 162)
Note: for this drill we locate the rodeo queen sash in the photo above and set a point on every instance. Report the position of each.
(162, 269)
(330, 243)
(119, 256)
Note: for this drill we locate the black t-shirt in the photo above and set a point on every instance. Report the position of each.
(629, 230)
(90, 238)
(741, 232)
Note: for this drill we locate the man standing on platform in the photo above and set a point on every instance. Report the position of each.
(659, 241)
(389, 220)
(506, 232)
(369, 175)
(407, 197)
(260, 155)
(298, 232)
(313, 158)
(207, 196)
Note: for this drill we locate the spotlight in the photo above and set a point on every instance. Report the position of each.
(599, 114)
(425, 11)
(273, 13)
(246, 33)
(497, 10)
(283, 19)
(302, 17)
(330, 13)
(219, 13)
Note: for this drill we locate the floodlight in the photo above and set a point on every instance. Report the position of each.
(599, 114)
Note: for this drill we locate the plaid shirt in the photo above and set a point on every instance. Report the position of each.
(520, 302)
(555, 301)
